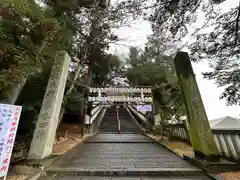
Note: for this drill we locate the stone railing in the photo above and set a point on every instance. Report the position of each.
(143, 113)
(140, 117)
(95, 111)
(228, 143)
(178, 131)
(97, 117)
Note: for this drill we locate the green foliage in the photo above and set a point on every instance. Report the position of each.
(150, 69)
(31, 99)
(221, 48)
(75, 102)
(29, 37)
(106, 68)
(31, 32)
(143, 72)
(171, 20)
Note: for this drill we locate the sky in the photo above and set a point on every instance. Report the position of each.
(136, 35)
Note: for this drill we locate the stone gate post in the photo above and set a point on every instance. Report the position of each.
(44, 134)
(199, 129)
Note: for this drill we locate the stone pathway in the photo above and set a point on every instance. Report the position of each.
(129, 178)
(114, 156)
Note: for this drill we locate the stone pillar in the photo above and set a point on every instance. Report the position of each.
(44, 135)
(199, 129)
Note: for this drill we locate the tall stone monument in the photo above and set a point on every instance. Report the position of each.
(46, 126)
(199, 129)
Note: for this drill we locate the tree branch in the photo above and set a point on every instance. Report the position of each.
(237, 26)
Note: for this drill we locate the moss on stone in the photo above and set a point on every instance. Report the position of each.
(200, 132)
(182, 64)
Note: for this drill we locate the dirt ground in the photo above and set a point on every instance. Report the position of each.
(73, 138)
(231, 176)
(182, 148)
(20, 177)
(179, 147)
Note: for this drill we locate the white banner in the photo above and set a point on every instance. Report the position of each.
(144, 108)
(120, 90)
(120, 99)
(9, 118)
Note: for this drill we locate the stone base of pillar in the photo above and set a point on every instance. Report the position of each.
(212, 167)
(210, 158)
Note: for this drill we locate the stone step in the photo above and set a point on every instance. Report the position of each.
(122, 178)
(119, 138)
(120, 133)
(148, 172)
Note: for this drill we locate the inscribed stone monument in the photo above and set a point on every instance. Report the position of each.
(46, 126)
(199, 129)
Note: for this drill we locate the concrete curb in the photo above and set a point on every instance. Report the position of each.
(211, 176)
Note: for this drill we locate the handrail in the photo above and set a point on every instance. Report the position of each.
(93, 117)
(142, 117)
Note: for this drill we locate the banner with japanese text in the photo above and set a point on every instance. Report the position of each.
(9, 119)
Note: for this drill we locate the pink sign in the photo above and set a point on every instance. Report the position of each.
(9, 118)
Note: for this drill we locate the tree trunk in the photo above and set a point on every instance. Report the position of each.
(161, 126)
(82, 119)
(88, 81)
(70, 89)
(14, 91)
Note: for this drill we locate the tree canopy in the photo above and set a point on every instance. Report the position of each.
(217, 40)
(148, 68)
(31, 32)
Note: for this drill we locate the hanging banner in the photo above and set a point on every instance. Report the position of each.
(120, 90)
(9, 118)
(120, 95)
(120, 99)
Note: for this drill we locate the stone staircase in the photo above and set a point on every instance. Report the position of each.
(128, 155)
(109, 123)
(127, 124)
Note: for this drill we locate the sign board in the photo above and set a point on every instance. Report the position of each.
(9, 118)
(144, 108)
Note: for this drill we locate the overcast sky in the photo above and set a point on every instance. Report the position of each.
(136, 35)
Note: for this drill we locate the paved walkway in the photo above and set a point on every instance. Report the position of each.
(124, 156)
